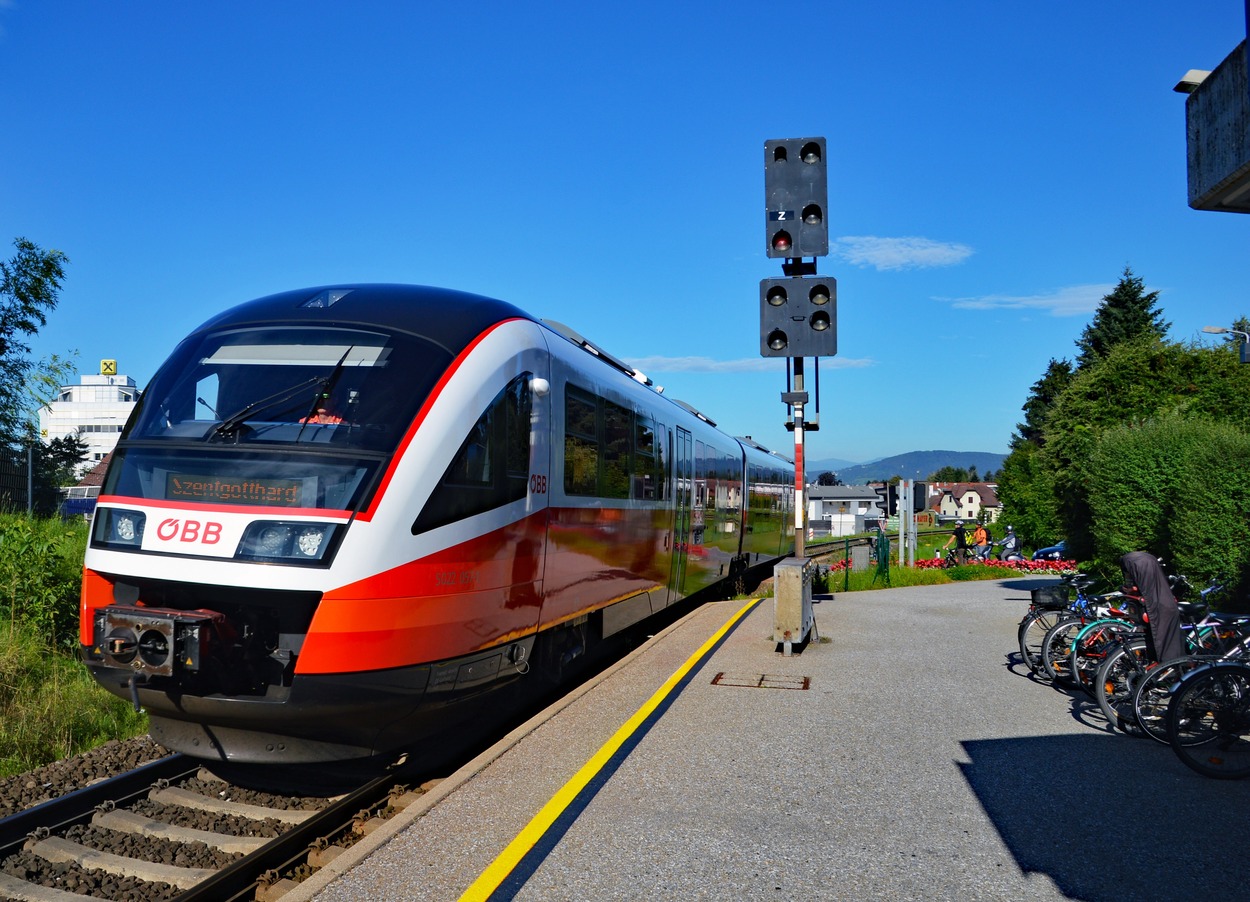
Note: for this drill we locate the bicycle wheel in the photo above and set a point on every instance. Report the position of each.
(1056, 648)
(1033, 629)
(1154, 692)
(1209, 721)
(1118, 676)
(1090, 648)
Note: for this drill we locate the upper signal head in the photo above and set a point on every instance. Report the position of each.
(796, 195)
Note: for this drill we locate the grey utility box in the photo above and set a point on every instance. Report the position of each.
(792, 602)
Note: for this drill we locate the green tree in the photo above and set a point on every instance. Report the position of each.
(950, 473)
(1139, 380)
(828, 478)
(1026, 490)
(1042, 396)
(56, 464)
(1025, 486)
(1125, 314)
(30, 284)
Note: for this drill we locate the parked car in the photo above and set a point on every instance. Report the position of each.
(1057, 552)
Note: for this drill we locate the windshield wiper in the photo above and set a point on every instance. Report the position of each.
(232, 422)
(327, 387)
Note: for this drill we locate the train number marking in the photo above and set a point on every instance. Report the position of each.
(538, 484)
(456, 578)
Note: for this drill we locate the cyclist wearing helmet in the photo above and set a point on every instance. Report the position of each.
(960, 537)
(1010, 544)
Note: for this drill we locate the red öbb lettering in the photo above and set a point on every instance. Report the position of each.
(189, 531)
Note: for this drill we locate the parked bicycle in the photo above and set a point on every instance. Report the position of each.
(1209, 720)
(1127, 665)
(1110, 611)
(1219, 637)
(1048, 607)
(1199, 704)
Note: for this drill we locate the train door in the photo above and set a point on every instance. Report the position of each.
(683, 490)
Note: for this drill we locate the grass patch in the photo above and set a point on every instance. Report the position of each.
(900, 577)
(50, 708)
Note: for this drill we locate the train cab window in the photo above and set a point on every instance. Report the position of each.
(491, 468)
(263, 385)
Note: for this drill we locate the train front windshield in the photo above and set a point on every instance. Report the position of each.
(278, 416)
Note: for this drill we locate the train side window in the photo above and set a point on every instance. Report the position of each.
(663, 454)
(471, 466)
(486, 472)
(644, 476)
(610, 451)
(618, 440)
(518, 407)
(581, 443)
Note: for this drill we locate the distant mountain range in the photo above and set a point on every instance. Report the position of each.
(912, 465)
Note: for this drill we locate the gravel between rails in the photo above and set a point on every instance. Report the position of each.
(27, 790)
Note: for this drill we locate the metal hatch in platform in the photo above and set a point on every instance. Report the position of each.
(761, 681)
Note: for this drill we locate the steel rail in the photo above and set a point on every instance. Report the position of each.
(238, 880)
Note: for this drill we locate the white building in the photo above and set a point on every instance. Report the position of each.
(96, 407)
(842, 510)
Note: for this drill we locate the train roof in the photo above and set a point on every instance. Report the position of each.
(447, 317)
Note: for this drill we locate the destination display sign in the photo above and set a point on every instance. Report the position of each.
(216, 490)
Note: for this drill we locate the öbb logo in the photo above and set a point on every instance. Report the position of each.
(189, 531)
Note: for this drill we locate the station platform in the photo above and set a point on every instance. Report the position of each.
(903, 754)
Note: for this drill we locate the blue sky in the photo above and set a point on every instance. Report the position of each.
(993, 167)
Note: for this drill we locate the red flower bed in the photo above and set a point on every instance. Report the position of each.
(1039, 567)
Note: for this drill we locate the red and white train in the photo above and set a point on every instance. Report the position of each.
(339, 515)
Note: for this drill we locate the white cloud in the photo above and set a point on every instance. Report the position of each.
(650, 365)
(1075, 300)
(899, 253)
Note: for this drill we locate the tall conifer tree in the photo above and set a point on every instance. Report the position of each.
(1127, 312)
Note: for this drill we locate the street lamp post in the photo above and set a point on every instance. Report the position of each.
(1245, 339)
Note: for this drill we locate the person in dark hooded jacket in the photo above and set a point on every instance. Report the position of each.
(1163, 632)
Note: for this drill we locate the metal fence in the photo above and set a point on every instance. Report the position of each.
(15, 482)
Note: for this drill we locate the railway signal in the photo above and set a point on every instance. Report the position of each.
(799, 317)
(798, 314)
(796, 195)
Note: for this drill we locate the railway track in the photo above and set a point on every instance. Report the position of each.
(171, 830)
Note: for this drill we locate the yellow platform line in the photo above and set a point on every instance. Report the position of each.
(494, 875)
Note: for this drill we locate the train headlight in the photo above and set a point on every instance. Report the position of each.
(309, 540)
(287, 543)
(118, 528)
